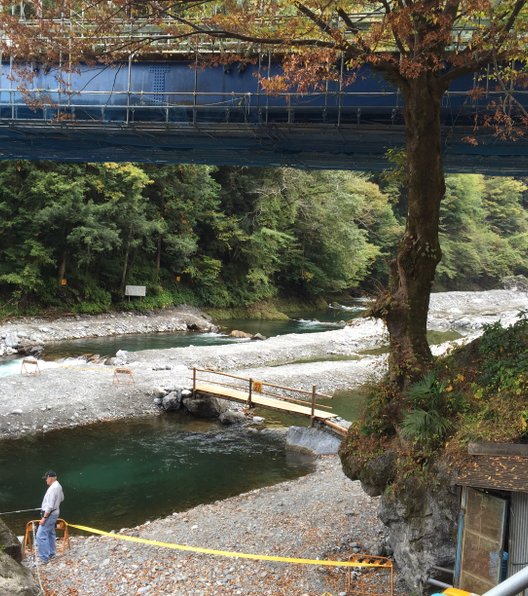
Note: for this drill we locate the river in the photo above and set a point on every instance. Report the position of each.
(312, 322)
(121, 474)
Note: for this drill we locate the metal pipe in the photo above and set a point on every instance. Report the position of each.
(512, 586)
(438, 583)
(444, 569)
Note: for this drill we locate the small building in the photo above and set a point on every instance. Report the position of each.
(492, 542)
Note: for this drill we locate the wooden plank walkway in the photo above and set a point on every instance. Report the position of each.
(260, 400)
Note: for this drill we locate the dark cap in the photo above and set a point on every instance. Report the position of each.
(49, 474)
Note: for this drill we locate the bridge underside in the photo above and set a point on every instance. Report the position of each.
(350, 147)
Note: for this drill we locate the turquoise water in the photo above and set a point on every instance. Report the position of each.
(325, 320)
(121, 474)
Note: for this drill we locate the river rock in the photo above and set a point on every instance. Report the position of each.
(6, 351)
(515, 282)
(172, 401)
(258, 336)
(122, 357)
(11, 339)
(240, 334)
(159, 392)
(232, 417)
(15, 580)
(27, 347)
(318, 442)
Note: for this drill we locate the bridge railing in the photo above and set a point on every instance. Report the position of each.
(179, 92)
(255, 386)
(169, 107)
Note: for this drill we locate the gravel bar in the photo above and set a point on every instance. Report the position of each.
(321, 515)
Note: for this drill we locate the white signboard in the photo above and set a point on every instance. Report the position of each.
(135, 290)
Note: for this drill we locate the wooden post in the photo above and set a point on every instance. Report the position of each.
(313, 404)
(249, 394)
(194, 381)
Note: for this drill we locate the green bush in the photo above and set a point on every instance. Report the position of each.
(163, 299)
(505, 357)
(184, 295)
(90, 308)
(425, 428)
(428, 419)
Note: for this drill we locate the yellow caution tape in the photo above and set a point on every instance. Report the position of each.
(225, 553)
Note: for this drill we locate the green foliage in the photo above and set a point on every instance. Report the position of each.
(475, 393)
(426, 428)
(378, 418)
(184, 295)
(231, 236)
(91, 298)
(426, 423)
(505, 358)
(161, 299)
(483, 231)
(89, 308)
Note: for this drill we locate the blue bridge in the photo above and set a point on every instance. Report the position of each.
(175, 112)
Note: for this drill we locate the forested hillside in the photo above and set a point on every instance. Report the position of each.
(72, 236)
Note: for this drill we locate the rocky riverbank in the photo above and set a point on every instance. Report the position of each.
(319, 516)
(323, 515)
(28, 334)
(68, 393)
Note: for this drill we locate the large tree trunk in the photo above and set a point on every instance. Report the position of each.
(405, 306)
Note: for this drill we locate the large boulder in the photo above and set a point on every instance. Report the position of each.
(205, 407)
(375, 473)
(233, 417)
(418, 512)
(421, 518)
(172, 401)
(15, 580)
(27, 347)
(9, 543)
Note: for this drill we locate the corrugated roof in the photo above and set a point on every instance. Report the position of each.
(507, 472)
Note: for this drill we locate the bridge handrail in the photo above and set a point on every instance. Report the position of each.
(261, 384)
(237, 94)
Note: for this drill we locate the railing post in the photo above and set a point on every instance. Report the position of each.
(312, 417)
(194, 381)
(249, 394)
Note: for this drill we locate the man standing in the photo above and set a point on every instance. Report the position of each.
(46, 539)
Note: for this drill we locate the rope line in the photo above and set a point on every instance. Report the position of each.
(36, 559)
(224, 553)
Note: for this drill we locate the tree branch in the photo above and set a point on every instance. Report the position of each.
(395, 34)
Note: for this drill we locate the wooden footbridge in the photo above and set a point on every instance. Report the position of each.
(254, 392)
